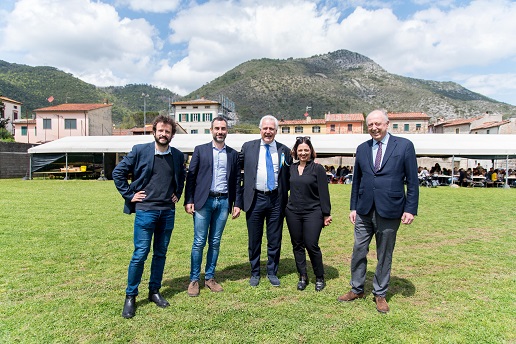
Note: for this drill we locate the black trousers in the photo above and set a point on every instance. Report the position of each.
(305, 230)
(265, 208)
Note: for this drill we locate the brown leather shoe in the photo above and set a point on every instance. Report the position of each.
(350, 296)
(193, 288)
(213, 285)
(381, 304)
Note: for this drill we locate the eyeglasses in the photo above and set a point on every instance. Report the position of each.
(303, 138)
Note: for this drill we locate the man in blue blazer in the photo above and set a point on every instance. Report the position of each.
(266, 183)
(379, 203)
(158, 177)
(212, 192)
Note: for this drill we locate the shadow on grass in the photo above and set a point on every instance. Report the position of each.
(397, 285)
(241, 271)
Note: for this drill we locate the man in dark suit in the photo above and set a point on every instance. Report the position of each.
(379, 203)
(158, 177)
(212, 188)
(266, 187)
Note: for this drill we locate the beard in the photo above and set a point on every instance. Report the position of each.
(219, 139)
(162, 141)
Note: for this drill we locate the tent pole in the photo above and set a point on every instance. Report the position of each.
(452, 168)
(66, 171)
(506, 185)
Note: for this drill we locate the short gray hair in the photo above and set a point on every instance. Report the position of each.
(268, 118)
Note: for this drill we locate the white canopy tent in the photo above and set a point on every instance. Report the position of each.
(427, 145)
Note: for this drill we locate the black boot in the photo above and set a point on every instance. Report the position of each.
(303, 282)
(159, 300)
(319, 283)
(129, 307)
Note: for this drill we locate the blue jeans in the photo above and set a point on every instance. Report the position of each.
(147, 223)
(213, 216)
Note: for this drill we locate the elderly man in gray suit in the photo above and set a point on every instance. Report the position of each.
(379, 203)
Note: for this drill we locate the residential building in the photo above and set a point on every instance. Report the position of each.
(485, 124)
(344, 123)
(195, 116)
(54, 122)
(408, 122)
(307, 126)
(10, 109)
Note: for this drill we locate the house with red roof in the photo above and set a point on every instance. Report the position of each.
(344, 123)
(55, 122)
(10, 109)
(307, 126)
(408, 122)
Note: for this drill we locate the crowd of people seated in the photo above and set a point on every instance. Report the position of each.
(339, 175)
(493, 177)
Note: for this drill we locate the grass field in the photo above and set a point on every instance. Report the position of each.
(65, 246)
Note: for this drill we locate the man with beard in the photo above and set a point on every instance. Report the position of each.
(212, 192)
(266, 183)
(158, 177)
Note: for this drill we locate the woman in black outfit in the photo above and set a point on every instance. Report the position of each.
(308, 211)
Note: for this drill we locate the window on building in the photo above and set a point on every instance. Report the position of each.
(195, 107)
(24, 131)
(487, 131)
(207, 117)
(406, 127)
(47, 123)
(15, 106)
(298, 130)
(70, 123)
(35, 131)
(395, 126)
(195, 117)
(183, 117)
(183, 107)
(285, 130)
(207, 106)
(457, 131)
(332, 128)
(350, 127)
(206, 131)
(418, 127)
(316, 129)
(194, 131)
(15, 115)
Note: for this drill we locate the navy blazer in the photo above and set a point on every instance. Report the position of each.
(385, 189)
(200, 175)
(248, 160)
(140, 162)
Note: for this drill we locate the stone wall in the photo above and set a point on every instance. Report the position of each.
(14, 159)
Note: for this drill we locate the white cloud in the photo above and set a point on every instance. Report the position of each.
(80, 36)
(158, 6)
(90, 39)
(503, 86)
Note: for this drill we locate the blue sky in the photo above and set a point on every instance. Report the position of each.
(181, 45)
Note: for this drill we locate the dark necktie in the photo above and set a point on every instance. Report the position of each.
(270, 168)
(378, 159)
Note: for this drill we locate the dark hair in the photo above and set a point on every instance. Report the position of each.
(220, 119)
(165, 120)
(300, 140)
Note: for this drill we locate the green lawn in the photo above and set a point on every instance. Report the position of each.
(65, 246)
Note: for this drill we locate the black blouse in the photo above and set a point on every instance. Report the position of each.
(309, 191)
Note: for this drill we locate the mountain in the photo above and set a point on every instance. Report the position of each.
(34, 85)
(339, 82)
